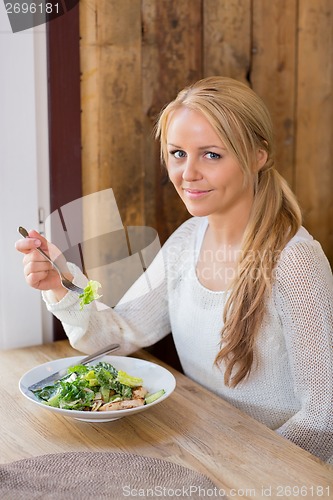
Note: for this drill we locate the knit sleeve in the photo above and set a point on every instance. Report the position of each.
(140, 319)
(304, 298)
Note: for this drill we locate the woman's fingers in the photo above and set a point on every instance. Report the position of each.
(35, 240)
(40, 274)
(37, 237)
(36, 280)
(26, 245)
(38, 271)
(32, 265)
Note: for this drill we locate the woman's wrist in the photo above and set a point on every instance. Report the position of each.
(59, 293)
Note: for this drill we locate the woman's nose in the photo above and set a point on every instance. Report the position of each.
(191, 172)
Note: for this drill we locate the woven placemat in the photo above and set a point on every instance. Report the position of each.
(101, 475)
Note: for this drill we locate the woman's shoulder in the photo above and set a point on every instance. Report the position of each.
(303, 242)
(302, 235)
(303, 255)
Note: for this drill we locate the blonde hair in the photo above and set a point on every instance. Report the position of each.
(243, 123)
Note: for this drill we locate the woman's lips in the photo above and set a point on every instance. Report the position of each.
(196, 193)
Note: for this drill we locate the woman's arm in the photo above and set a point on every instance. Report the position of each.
(140, 319)
(305, 302)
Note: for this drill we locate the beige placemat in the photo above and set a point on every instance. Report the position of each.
(96, 476)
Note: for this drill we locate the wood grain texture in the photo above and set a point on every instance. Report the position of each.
(112, 131)
(273, 73)
(172, 59)
(227, 38)
(314, 149)
(111, 102)
(193, 428)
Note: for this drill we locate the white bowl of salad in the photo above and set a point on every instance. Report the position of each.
(107, 389)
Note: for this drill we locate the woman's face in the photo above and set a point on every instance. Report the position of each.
(206, 176)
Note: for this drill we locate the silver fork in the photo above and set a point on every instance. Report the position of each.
(65, 282)
(51, 379)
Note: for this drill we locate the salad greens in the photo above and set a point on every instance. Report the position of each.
(90, 293)
(96, 388)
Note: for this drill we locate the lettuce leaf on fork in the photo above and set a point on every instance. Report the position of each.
(90, 293)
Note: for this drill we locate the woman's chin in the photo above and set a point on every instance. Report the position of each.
(197, 211)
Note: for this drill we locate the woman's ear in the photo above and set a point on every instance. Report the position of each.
(262, 156)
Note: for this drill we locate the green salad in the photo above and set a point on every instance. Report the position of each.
(90, 293)
(99, 387)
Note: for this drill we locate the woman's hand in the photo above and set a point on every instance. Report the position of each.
(38, 271)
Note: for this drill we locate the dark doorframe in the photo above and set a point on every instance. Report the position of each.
(63, 55)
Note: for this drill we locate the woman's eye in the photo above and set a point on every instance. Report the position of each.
(178, 153)
(212, 156)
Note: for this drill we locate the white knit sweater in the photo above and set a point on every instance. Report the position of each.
(290, 388)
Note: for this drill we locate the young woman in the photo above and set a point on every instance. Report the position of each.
(244, 288)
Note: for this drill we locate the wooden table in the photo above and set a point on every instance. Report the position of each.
(193, 428)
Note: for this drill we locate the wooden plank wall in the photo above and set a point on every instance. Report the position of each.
(136, 55)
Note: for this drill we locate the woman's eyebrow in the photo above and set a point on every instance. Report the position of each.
(210, 146)
(200, 147)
